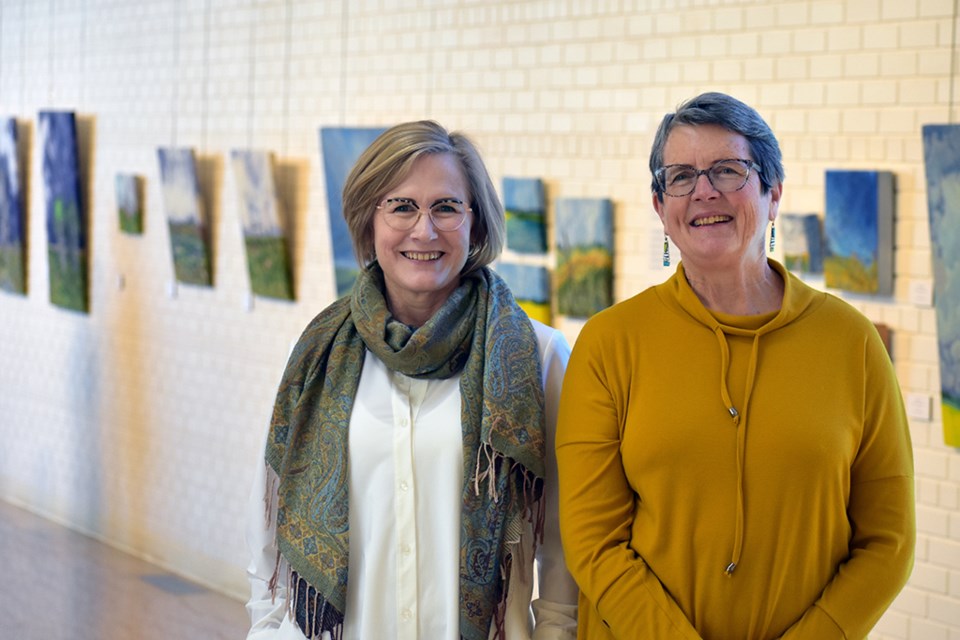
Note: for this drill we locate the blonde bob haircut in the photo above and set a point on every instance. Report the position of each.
(387, 162)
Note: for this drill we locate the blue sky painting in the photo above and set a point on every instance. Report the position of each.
(584, 241)
(129, 202)
(182, 203)
(525, 205)
(340, 147)
(801, 235)
(858, 228)
(66, 222)
(13, 247)
(941, 152)
(264, 239)
(530, 285)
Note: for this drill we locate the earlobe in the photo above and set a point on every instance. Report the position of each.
(658, 207)
(775, 193)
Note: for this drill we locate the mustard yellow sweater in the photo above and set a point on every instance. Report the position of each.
(733, 478)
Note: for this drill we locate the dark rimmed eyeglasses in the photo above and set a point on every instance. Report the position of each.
(402, 214)
(678, 180)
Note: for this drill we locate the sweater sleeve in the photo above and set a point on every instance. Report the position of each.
(881, 512)
(597, 503)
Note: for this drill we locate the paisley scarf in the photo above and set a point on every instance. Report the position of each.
(479, 332)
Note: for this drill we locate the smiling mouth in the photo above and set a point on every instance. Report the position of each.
(703, 222)
(421, 256)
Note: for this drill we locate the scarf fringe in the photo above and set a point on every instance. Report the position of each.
(318, 614)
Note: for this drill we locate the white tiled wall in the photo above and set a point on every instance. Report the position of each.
(141, 421)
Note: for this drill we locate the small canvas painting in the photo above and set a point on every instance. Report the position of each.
(859, 231)
(941, 153)
(340, 148)
(801, 235)
(530, 286)
(584, 239)
(263, 236)
(181, 200)
(525, 208)
(129, 189)
(66, 222)
(13, 236)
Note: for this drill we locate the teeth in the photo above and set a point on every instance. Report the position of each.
(416, 255)
(700, 222)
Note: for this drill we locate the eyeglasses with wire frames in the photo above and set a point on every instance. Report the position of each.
(402, 214)
(678, 180)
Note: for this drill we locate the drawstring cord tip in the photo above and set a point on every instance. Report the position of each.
(729, 570)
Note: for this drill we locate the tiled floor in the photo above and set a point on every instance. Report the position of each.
(56, 584)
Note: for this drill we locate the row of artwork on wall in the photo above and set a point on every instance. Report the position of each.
(852, 247)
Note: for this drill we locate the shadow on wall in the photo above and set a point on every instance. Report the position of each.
(210, 180)
(291, 180)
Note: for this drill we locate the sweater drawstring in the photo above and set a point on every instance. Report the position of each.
(735, 415)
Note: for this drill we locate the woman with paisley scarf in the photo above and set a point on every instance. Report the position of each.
(409, 485)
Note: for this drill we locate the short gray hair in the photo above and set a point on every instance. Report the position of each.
(729, 113)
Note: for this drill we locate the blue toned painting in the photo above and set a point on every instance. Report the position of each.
(941, 153)
(66, 223)
(340, 148)
(530, 286)
(584, 239)
(129, 203)
(181, 200)
(13, 246)
(859, 231)
(525, 208)
(801, 235)
(263, 236)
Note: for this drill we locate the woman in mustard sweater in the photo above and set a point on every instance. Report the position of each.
(734, 456)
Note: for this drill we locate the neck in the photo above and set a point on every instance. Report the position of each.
(746, 291)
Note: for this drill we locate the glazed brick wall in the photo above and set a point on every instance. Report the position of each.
(140, 422)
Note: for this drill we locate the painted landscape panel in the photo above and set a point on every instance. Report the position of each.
(267, 257)
(584, 239)
(181, 200)
(66, 222)
(340, 148)
(526, 211)
(802, 236)
(859, 231)
(129, 191)
(941, 153)
(13, 235)
(530, 285)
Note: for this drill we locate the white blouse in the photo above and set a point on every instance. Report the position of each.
(406, 478)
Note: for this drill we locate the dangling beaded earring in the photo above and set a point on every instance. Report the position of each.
(666, 251)
(773, 235)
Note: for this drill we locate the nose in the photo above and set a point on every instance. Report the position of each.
(424, 227)
(703, 188)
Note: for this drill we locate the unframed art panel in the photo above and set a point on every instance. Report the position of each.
(530, 286)
(802, 236)
(263, 236)
(13, 245)
(181, 200)
(340, 148)
(941, 152)
(525, 208)
(129, 192)
(584, 239)
(66, 223)
(859, 231)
